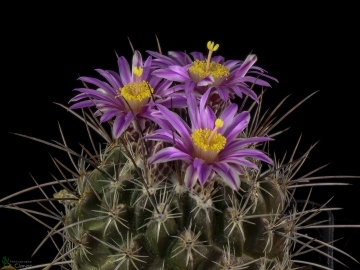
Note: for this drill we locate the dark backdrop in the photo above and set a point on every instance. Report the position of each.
(309, 52)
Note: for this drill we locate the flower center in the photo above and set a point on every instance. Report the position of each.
(200, 69)
(208, 143)
(136, 93)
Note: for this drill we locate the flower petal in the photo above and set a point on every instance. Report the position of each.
(116, 77)
(207, 118)
(108, 115)
(206, 81)
(173, 101)
(254, 81)
(254, 154)
(203, 100)
(137, 60)
(240, 161)
(228, 174)
(161, 61)
(169, 154)
(223, 93)
(179, 124)
(193, 111)
(170, 75)
(191, 175)
(121, 123)
(246, 65)
(98, 83)
(217, 59)
(227, 115)
(114, 83)
(182, 71)
(82, 104)
(124, 70)
(96, 94)
(239, 144)
(182, 58)
(204, 170)
(161, 134)
(198, 55)
(238, 124)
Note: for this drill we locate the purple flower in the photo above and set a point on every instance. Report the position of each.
(226, 79)
(210, 146)
(127, 94)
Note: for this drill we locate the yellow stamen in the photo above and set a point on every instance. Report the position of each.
(138, 72)
(200, 138)
(137, 94)
(208, 143)
(211, 48)
(218, 124)
(198, 71)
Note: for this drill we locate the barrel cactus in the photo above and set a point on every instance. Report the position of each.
(183, 178)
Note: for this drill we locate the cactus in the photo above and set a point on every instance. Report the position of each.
(182, 179)
(5, 260)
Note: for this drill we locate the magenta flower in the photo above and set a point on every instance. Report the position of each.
(127, 94)
(226, 79)
(210, 146)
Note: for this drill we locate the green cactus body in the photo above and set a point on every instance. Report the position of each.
(114, 223)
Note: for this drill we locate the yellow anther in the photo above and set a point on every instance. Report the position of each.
(201, 139)
(136, 91)
(138, 71)
(137, 94)
(219, 123)
(211, 47)
(198, 70)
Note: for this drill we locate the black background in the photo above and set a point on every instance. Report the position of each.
(305, 49)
